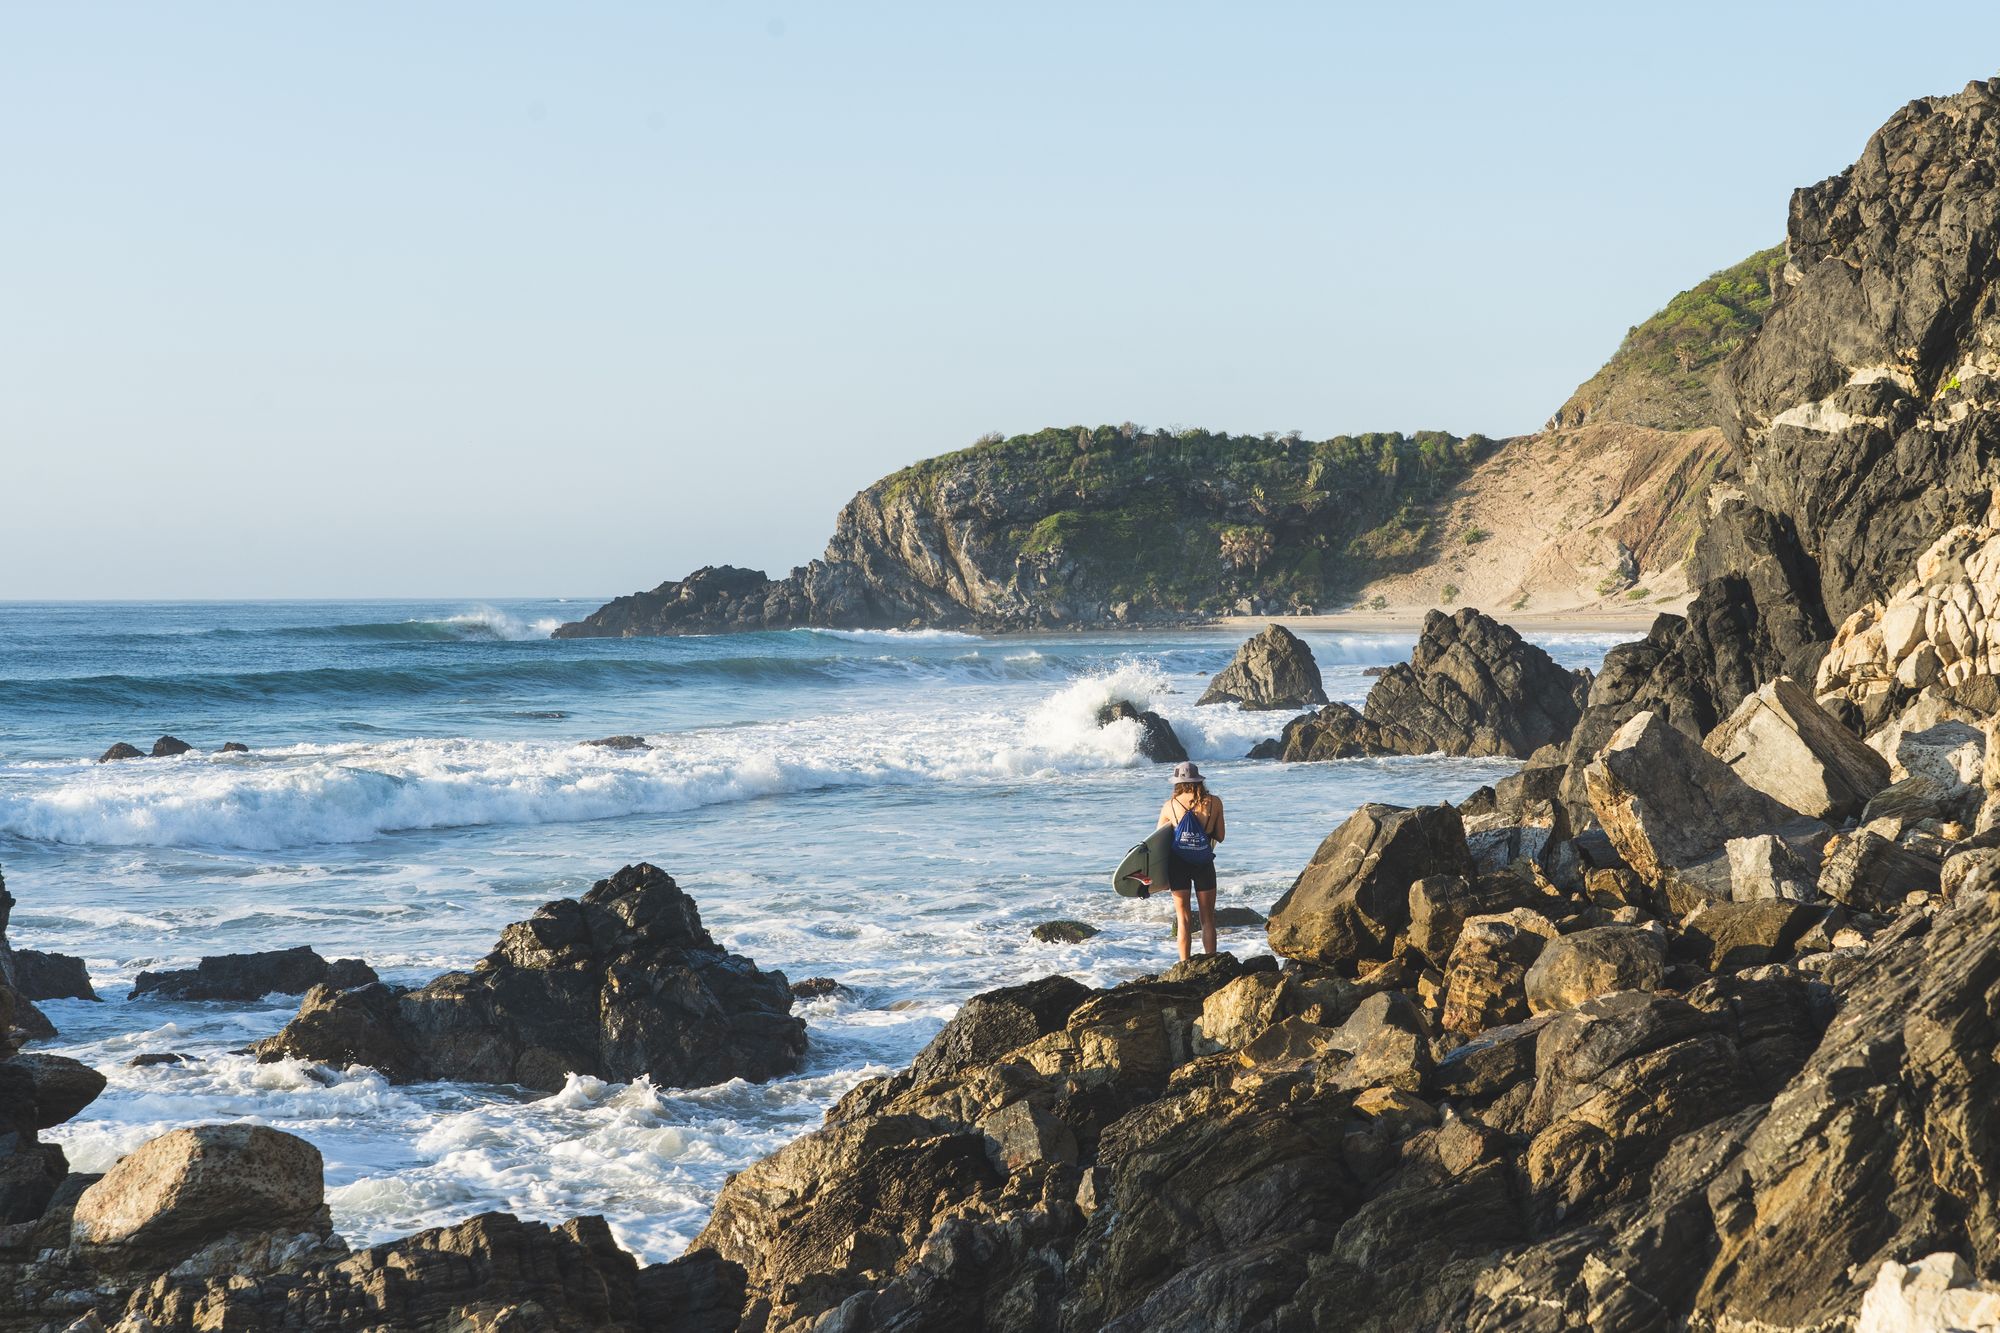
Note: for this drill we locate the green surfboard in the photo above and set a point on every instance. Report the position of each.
(1145, 866)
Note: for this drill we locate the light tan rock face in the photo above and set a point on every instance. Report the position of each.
(1788, 747)
(181, 1190)
(1668, 805)
(1940, 628)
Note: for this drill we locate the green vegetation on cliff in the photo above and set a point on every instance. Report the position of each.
(1662, 375)
(1185, 520)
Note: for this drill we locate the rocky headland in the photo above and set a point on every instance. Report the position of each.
(1077, 527)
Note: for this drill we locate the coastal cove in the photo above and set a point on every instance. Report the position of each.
(894, 811)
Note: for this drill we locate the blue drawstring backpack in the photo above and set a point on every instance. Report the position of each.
(1191, 841)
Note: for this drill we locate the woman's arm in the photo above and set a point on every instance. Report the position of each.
(1217, 833)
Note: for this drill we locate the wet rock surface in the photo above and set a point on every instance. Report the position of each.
(51, 976)
(252, 976)
(621, 983)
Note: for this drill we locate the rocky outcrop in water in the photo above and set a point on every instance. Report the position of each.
(1273, 669)
(19, 1019)
(225, 1226)
(51, 976)
(1337, 731)
(252, 976)
(1473, 686)
(619, 984)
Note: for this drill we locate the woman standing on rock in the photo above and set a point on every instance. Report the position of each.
(1195, 816)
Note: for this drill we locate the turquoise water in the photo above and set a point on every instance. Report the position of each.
(892, 810)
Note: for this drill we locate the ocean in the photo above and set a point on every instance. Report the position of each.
(892, 810)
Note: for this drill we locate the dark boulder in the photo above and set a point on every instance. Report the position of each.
(121, 751)
(51, 976)
(1157, 741)
(233, 747)
(1473, 686)
(1063, 932)
(252, 976)
(619, 743)
(1336, 731)
(1273, 669)
(995, 1022)
(168, 746)
(818, 988)
(622, 983)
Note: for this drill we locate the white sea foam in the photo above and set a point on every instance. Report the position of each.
(894, 635)
(491, 622)
(308, 794)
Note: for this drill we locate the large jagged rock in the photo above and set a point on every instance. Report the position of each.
(1669, 806)
(1756, 617)
(492, 1271)
(1473, 686)
(1353, 897)
(1866, 871)
(1273, 669)
(252, 976)
(1786, 746)
(1485, 983)
(1864, 404)
(622, 983)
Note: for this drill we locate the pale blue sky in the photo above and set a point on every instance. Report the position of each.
(493, 299)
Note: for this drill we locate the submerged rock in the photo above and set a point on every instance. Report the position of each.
(252, 976)
(1064, 932)
(622, 983)
(619, 743)
(168, 746)
(1273, 669)
(121, 751)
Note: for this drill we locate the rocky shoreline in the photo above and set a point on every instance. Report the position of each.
(1688, 1024)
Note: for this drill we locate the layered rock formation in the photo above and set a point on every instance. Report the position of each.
(621, 984)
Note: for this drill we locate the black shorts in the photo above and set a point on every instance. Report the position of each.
(1185, 875)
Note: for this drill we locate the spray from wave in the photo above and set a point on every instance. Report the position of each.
(315, 794)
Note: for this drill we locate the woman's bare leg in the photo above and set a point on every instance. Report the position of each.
(1181, 915)
(1207, 923)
